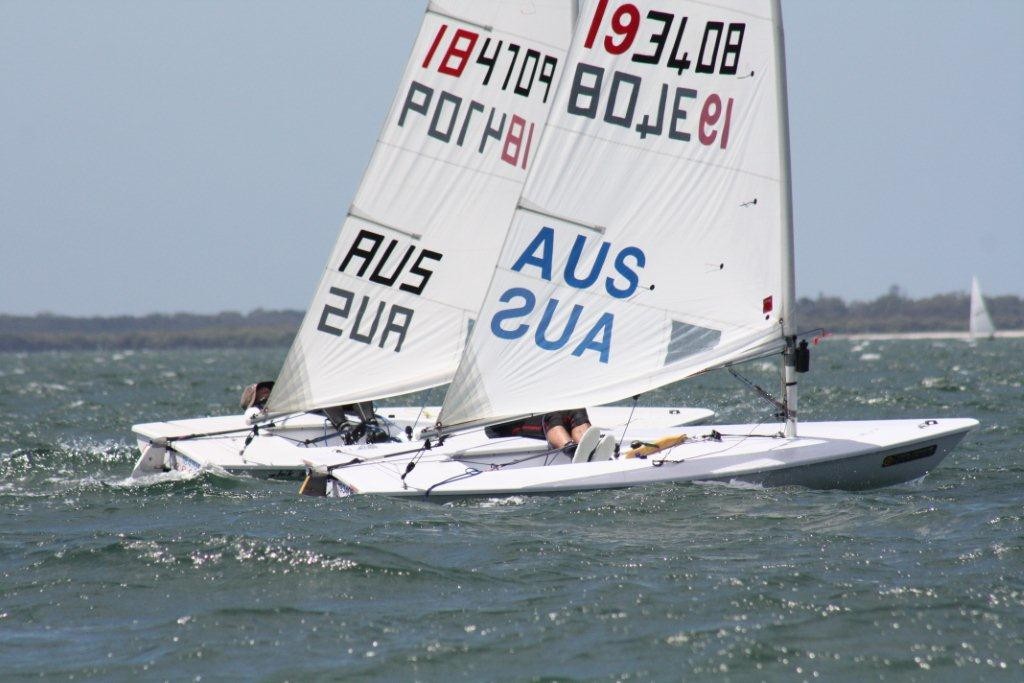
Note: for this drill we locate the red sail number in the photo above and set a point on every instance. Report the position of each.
(625, 24)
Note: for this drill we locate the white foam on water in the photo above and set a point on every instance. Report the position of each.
(153, 479)
(503, 501)
(732, 484)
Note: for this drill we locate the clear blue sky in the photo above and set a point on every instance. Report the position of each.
(164, 155)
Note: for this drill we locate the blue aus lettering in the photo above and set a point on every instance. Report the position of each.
(539, 254)
(515, 320)
(598, 339)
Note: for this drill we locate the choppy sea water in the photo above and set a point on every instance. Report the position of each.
(219, 577)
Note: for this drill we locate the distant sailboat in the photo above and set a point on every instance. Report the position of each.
(981, 326)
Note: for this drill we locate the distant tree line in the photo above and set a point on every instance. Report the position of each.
(48, 332)
(892, 312)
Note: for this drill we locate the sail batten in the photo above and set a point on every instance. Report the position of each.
(354, 212)
(668, 130)
(406, 275)
(526, 206)
(434, 8)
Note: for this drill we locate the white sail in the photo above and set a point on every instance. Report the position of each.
(410, 266)
(653, 238)
(981, 322)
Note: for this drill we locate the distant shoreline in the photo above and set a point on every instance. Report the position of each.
(892, 316)
(176, 331)
(887, 336)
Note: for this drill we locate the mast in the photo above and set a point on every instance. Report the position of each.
(789, 330)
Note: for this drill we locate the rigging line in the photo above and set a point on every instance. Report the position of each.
(418, 456)
(412, 463)
(204, 435)
(248, 440)
(224, 432)
(717, 436)
(416, 422)
(741, 438)
(750, 436)
(782, 407)
(340, 433)
(664, 459)
(472, 472)
(266, 419)
(618, 446)
(356, 460)
(458, 477)
(497, 466)
(309, 442)
(500, 440)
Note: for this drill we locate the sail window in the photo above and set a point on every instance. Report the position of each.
(687, 340)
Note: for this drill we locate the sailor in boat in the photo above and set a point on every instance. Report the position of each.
(569, 431)
(254, 399)
(359, 423)
(565, 428)
(354, 422)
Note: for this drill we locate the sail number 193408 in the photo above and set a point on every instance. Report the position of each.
(658, 38)
(720, 43)
(620, 104)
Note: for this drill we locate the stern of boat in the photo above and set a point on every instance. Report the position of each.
(152, 459)
(903, 450)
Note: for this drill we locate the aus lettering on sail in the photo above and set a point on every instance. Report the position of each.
(481, 93)
(552, 325)
(387, 262)
(663, 84)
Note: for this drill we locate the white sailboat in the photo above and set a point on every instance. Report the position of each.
(981, 326)
(653, 241)
(405, 279)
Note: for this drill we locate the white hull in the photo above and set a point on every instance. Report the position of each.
(278, 452)
(826, 455)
